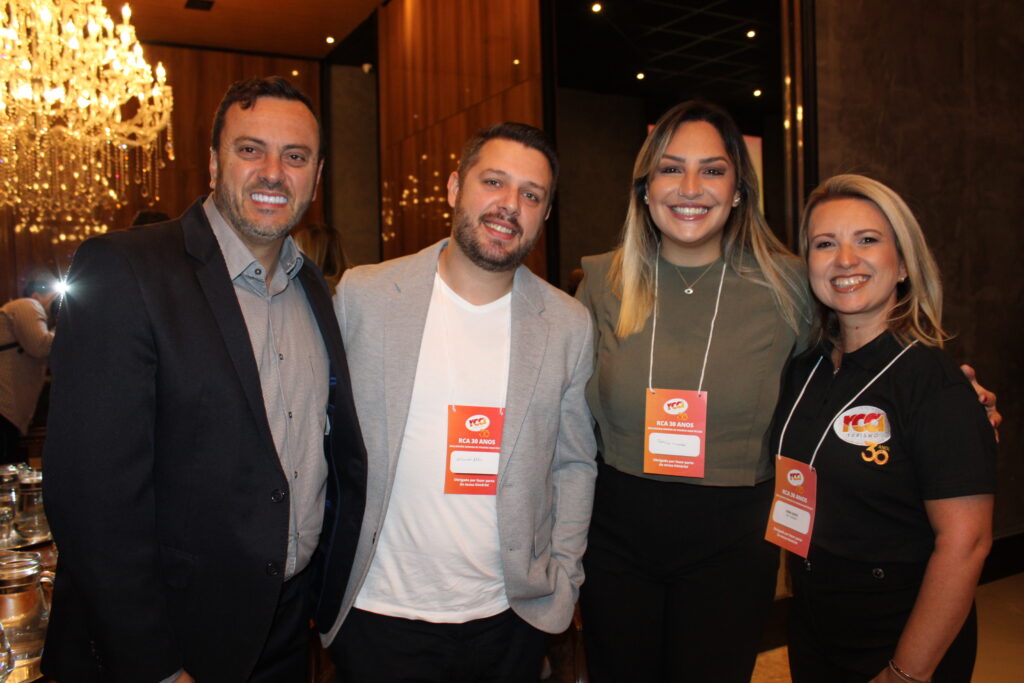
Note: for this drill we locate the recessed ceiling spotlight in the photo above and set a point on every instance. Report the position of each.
(757, 93)
(596, 7)
(330, 40)
(515, 62)
(295, 72)
(751, 33)
(640, 76)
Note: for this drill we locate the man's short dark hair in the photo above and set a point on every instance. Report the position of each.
(523, 133)
(42, 287)
(246, 92)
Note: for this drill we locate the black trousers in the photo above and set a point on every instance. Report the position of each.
(846, 618)
(374, 648)
(285, 655)
(9, 436)
(679, 580)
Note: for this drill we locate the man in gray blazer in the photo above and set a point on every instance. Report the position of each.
(468, 374)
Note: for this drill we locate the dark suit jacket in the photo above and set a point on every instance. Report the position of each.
(162, 484)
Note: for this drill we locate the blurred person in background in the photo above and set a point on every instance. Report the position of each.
(322, 244)
(25, 340)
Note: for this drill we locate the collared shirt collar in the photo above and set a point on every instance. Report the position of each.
(239, 260)
(878, 351)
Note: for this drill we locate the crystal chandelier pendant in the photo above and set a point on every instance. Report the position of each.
(84, 119)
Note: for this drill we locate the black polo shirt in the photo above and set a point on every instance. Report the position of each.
(918, 433)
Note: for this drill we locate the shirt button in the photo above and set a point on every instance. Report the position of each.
(277, 496)
(259, 272)
(878, 573)
(272, 569)
(280, 356)
(289, 414)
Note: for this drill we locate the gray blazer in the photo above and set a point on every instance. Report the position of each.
(546, 468)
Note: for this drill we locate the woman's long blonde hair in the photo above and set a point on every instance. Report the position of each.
(746, 235)
(917, 315)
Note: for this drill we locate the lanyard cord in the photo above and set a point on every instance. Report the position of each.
(849, 403)
(654, 327)
(785, 426)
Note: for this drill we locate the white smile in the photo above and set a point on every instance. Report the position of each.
(268, 198)
(500, 228)
(690, 210)
(851, 281)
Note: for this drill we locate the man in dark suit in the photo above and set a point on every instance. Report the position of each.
(204, 470)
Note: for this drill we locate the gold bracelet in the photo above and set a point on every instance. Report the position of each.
(904, 676)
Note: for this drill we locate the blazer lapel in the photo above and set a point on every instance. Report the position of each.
(213, 278)
(403, 333)
(529, 344)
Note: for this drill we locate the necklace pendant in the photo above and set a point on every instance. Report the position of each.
(688, 290)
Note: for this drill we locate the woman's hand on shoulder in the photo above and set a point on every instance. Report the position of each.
(985, 397)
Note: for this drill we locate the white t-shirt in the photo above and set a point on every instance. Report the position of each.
(438, 557)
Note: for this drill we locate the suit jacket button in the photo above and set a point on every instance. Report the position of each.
(272, 569)
(277, 496)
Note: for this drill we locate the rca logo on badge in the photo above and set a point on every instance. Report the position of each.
(859, 425)
(675, 406)
(477, 423)
(795, 477)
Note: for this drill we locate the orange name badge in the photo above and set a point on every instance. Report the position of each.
(792, 518)
(474, 447)
(675, 425)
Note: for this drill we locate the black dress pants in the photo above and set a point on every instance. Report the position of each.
(9, 436)
(846, 618)
(375, 648)
(679, 580)
(285, 655)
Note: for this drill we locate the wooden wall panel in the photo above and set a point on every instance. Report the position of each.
(446, 70)
(199, 79)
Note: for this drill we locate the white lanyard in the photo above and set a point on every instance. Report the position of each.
(792, 410)
(654, 326)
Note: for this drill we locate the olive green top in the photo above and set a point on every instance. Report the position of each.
(749, 350)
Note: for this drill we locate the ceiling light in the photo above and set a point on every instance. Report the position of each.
(330, 40)
(596, 7)
(751, 33)
(295, 72)
(640, 76)
(515, 62)
(757, 93)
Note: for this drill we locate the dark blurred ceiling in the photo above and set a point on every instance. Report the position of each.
(684, 49)
(295, 28)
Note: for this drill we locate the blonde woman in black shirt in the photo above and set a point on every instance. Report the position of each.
(901, 453)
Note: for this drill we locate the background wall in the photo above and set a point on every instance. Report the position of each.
(597, 153)
(924, 95)
(352, 168)
(199, 79)
(446, 70)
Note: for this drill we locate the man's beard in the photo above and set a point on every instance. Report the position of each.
(474, 243)
(232, 212)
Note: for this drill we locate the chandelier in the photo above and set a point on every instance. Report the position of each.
(83, 118)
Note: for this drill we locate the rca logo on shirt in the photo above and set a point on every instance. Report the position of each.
(861, 425)
(477, 423)
(675, 406)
